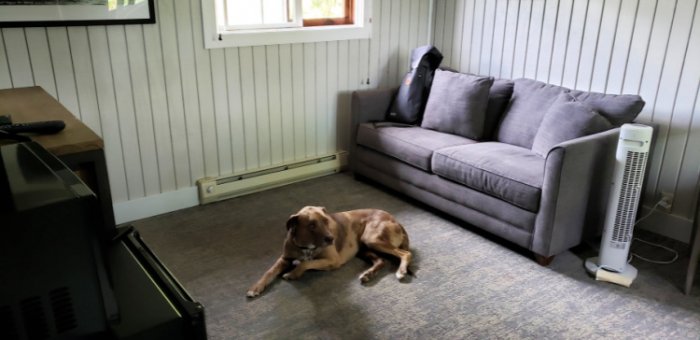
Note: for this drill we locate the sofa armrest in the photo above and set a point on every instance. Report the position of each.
(577, 172)
(371, 105)
(368, 106)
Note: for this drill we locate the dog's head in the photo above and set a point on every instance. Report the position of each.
(309, 228)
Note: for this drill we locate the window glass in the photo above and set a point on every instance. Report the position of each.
(320, 9)
(244, 13)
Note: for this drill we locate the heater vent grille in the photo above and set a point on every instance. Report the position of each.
(220, 188)
(629, 196)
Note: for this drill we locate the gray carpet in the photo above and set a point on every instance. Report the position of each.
(467, 284)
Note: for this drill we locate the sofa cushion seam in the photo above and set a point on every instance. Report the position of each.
(487, 171)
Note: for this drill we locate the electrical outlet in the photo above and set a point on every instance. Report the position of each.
(666, 202)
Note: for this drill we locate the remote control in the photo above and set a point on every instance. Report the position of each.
(45, 127)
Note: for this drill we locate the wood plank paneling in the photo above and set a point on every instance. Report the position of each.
(171, 112)
(222, 123)
(250, 121)
(190, 94)
(5, 78)
(124, 99)
(645, 47)
(107, 104)
(262, 111)
(143, 115)
(84, 78)
(274, 100)
(298, 99)
(235, 109)
(17, 53)
(62, 66)
(173, 84)
(40, 58)
(159, 108)
(287, 101)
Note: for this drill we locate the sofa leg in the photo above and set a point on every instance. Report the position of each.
(544, 260)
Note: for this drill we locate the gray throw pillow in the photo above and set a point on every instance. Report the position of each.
(567, 119)
(457, 104)
(499, 97)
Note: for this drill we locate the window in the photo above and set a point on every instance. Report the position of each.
(246, 14)
(263, 22)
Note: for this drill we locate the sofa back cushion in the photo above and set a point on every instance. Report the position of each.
(532, 98)
(567, 119)
(524, 114)
(499, 96)
(617, 108)
(457, 104)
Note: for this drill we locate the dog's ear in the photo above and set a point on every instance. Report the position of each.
(293, 221)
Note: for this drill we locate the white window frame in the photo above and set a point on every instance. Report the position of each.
(217, 35)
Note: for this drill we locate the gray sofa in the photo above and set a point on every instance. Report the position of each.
(535, 171)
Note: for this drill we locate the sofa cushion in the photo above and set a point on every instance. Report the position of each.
(410, 144)
(523, 116)
(499, 96)
(532, 98)
(617, 108)
(567, 119)
(457, 104)
(508, 172)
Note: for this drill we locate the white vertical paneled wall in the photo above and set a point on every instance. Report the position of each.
(171, 112)
(645, 47)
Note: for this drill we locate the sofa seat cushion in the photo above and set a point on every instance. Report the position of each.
(510, 173)
(411, 144)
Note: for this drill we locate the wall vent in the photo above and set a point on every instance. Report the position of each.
(62, 308)
(212, 189)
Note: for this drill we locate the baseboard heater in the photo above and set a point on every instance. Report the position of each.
(212, 189)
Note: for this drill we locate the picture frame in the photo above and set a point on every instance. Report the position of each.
(42, 13)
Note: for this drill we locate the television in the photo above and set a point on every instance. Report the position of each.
(54, 282)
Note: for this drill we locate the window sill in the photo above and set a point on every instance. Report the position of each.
(289, 35)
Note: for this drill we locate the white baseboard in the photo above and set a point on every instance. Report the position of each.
(155, 205)
(673, 226)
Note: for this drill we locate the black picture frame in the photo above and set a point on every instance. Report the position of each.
(72, 13)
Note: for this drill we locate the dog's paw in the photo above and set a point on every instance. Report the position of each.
(365, 277)
(253, 293)
(400, 275)
(289, 276)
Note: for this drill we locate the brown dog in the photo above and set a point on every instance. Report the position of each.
(322, 241)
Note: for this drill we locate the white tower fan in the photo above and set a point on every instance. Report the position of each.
(630, 164)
